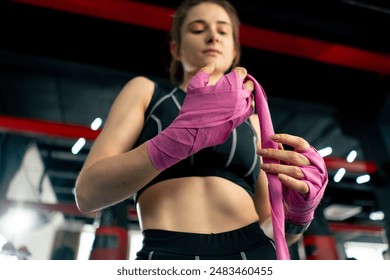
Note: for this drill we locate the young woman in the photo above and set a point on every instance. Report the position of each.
(200, 191)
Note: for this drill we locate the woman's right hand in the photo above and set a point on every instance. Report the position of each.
(208, 115)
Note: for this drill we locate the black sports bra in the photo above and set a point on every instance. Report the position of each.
(235, 160)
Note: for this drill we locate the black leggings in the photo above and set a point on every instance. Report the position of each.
(247, 243)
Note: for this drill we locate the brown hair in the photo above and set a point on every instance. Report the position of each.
(176, 69)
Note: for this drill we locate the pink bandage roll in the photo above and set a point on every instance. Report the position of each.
(207, 117)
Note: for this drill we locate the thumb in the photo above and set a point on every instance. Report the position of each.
(201, 78)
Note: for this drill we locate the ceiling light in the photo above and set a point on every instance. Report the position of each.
(377, 216)
(339, 175)
(18, 220)
(325, 151)
(96, 124)
(363, 179)
(341, 212)
(78, 145)
(351, 156)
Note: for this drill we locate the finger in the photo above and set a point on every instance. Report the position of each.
(292, 171)
(241, 72)
(201, 78)
(235, 79)
(290, 157)
(297, 142)
(249, 85)
(294, 184)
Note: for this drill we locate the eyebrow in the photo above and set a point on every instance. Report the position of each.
(203, 21)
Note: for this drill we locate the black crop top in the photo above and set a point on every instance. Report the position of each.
(235, 160)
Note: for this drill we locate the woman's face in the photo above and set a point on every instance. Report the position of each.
(207, 36)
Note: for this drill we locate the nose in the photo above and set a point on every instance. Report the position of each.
(212, 40)
(212, 37)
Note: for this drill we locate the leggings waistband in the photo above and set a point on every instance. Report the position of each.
(244, 238)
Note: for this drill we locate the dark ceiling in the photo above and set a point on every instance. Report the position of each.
(325, 66)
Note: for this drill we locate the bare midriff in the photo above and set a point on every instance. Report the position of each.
(197, 205)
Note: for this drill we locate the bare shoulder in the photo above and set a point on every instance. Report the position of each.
(131, 102)
(125, 120)
(139, 87)
(140, 81)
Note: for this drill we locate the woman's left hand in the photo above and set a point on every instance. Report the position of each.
(289, 169)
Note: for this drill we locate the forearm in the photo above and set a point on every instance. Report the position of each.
(114, 179)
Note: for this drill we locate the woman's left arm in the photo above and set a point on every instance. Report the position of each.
(303, 175)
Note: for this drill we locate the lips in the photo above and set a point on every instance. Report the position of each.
(212, 51)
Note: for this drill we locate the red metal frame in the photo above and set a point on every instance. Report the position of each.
(357, 166)
(352, 227)
(48, 128)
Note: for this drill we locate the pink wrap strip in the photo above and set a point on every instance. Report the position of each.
(274, 184)
(299, 208)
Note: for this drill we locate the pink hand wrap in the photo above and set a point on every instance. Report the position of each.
(207, 117)
(299, 207)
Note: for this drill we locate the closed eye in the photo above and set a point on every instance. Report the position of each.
(197, 31)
